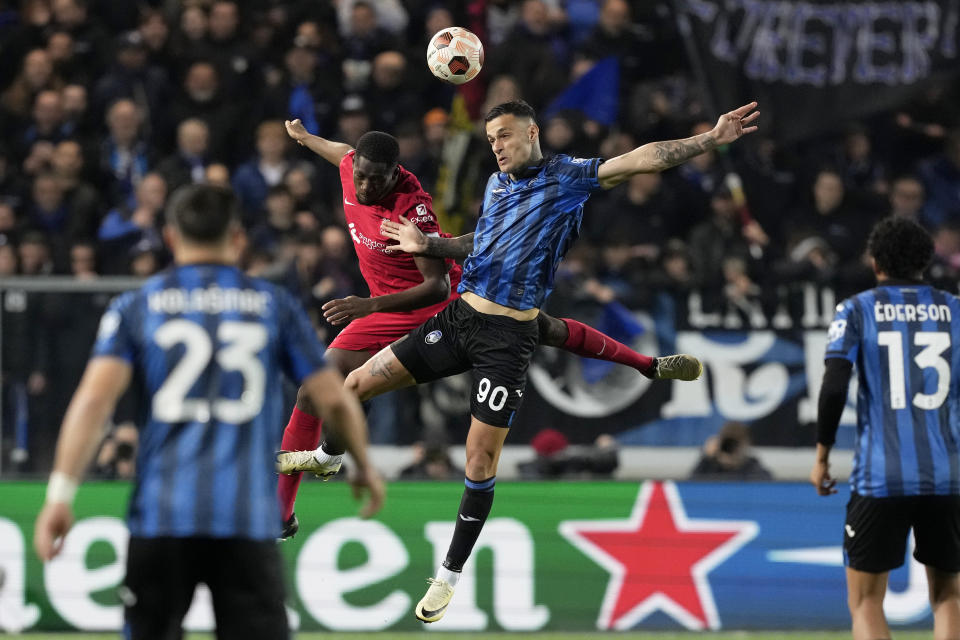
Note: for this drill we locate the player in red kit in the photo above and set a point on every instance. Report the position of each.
(405, 291)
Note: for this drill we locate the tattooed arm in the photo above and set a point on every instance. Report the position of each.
(411, 240)
(659, 156)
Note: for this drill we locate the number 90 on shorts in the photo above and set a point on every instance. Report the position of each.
(494, 402)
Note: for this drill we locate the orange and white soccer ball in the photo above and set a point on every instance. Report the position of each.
(455, 55)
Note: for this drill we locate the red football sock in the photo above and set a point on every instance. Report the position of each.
(302, 433)
(589, 343)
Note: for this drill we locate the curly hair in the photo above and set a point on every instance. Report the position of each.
(380, 147)
(900, 247)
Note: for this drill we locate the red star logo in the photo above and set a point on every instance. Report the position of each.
(658, 559)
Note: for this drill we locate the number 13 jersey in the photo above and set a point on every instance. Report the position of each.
(904, 339)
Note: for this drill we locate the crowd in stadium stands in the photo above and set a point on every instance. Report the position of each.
(107, 107)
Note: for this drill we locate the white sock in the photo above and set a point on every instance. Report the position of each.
(450, 576)
(323, 457)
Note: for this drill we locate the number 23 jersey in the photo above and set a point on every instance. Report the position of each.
(207, 345)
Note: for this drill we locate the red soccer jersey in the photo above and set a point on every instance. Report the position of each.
(389, 270)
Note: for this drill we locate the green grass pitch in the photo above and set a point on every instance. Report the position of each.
(726, 635)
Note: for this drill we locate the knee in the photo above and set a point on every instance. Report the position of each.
(481, 464)
(352, 384)
(304, 404)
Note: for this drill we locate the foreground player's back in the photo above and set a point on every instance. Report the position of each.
(906, 346)
(205, 341)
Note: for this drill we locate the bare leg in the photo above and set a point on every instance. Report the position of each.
(865, 593)
(380, 374)
(945, 601)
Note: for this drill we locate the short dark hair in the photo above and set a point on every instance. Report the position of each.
(514, 107)
(377, 146)
(900, 247)
(202, 213)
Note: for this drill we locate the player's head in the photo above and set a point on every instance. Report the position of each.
(203, 217)
(375, 169)
(513, 135)
(900, 248)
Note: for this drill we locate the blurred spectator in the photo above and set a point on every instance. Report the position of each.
(46, 123)
(278, 219)
(726, 456)
(67, 164)
(36, 75)
(647, 198)
(431, 459)
(941, 177)
(906, 198)
(535, 54)
(299, 182)
(34, 253)
(188, 164)
(203, 98)
(234, 54)
(363, 38)
(556, 459)
(89, 38)
(716, 239)
(218, 174)
(9, 233)
(52, 214)
(830, 217)
(389, 92)
(76, 116)
(117, 457)
(354, 120)
(616, 35)
(253, 178)
(131, 76)
(306, 92)
(358, 17)
(944, 271)
(189, 41)
(124, 156)
(155, 31)
(863, 174)
(129, 224)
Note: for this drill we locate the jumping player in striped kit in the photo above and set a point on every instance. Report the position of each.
(904, 338)
(405, 292)
(531, 214)
(206, 346)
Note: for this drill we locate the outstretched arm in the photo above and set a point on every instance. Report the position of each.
(659, 156)
(414, 241)
(332, 152)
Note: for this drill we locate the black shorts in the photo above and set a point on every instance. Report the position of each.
(245, 578)
(876, 531)
(497, 348)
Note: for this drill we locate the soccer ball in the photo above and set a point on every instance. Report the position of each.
(455, 55)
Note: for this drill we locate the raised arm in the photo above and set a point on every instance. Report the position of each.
(330, 151)
(659, 156)
(412, 240)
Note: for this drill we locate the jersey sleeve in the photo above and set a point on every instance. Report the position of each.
(116, 335)
(843, 336)
(423, 216)
(579, 173)
(301, 353)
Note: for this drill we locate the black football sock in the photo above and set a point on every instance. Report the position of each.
(474, 509)
(331, 446)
